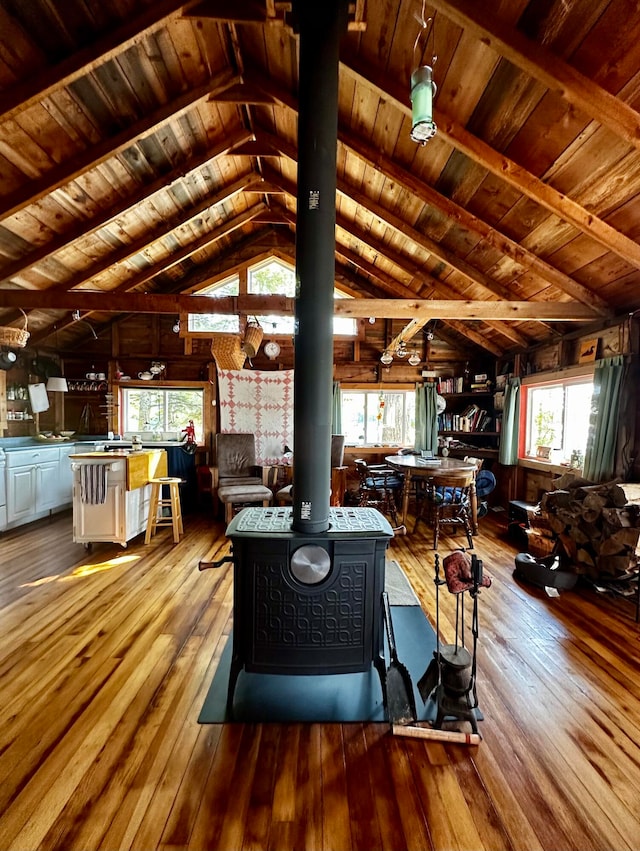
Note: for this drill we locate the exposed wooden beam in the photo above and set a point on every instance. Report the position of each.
(431, 288)
(103, 217)
(407, 333)
(371, 155)
(458, 309)
(418, 272)
(84, 60)
(137, 246)
(59, 176)
(543, 65)
(395, 287)
(520, 255)
(227, 227)
(509, 171)
(382, 308)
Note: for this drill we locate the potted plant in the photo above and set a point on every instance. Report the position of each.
(545, 433)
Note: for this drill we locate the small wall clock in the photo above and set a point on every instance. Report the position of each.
(271, 349)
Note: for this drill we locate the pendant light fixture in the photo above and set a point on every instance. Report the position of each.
(423, 89)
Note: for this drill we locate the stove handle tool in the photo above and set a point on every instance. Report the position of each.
(206, 565)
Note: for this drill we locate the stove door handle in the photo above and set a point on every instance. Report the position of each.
(206, 565)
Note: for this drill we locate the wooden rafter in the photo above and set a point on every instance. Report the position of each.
(372, 156)
(504, 168)
(60, 175)
(543, 65)
(18, 98)
(103, 217)
(134, 302)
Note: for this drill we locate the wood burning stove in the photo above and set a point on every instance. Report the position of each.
(308, 579)
(307, 604)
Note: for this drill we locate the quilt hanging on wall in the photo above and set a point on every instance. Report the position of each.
(260, 403)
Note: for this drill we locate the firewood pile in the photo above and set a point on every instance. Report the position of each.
(598, 525)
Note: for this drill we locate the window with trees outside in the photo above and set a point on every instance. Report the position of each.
(269, 277)
(556, 419)
(386, 417)
(162, 411)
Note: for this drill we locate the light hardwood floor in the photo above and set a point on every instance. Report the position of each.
(106, 657)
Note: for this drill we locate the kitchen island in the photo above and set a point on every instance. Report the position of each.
(111, 493)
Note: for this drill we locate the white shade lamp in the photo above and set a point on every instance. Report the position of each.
(57, 384)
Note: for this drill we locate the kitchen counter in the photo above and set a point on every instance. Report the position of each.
(125, 510)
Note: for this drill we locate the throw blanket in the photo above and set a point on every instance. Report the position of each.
(93, 483)
(261, 403)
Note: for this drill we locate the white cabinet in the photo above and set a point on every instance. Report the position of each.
(33, 487)
(125, 511)
(102, 522)
(64, 486)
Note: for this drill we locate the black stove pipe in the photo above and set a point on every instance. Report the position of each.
(321, 25)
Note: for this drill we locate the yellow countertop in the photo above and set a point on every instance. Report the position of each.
(142, 465)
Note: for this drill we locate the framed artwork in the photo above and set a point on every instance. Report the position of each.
(588, 350)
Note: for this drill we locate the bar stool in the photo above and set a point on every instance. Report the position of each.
(157, 505)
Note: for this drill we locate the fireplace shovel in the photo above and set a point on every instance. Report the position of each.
(401, 703)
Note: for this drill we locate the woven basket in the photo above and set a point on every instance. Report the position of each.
(252, 339)
(227, 351)
(14, 337)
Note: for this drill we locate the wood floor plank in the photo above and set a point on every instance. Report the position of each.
(106, 658)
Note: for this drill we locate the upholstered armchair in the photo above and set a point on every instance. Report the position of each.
(236, 469)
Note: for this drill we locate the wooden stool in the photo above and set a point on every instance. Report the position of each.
(157, 505)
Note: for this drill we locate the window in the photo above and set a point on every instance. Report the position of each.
(270, 277)
(379, 417)
(161, 410)
(556, 418)
(226, 322)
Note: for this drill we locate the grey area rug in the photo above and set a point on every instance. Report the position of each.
(398, 586)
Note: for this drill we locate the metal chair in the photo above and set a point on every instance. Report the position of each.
(380, 487)
(448, 502)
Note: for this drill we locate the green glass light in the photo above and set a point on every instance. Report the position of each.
(423, 90)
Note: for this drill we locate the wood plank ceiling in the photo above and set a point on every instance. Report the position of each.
(147, 146)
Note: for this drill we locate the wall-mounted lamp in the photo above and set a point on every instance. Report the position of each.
(57, 384)
(414, 359)
(423, 91)
(386, 358)
(176, 326)
(372, 320)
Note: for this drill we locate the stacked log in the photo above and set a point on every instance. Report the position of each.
(597, 525)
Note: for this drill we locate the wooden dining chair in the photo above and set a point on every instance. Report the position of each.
(380, 487)
(448, 502)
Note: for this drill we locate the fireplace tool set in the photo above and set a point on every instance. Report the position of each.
(449, 683)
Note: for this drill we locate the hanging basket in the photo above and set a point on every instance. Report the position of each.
(14, 337)
(227, 351)
(252, 338)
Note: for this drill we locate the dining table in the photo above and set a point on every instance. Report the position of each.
(415, 466)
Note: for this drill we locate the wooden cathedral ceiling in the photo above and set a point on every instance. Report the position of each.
(147, 147)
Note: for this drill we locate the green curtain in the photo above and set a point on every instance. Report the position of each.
(599, 459)
(336, 409)
(509, 434)
(426, 417)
